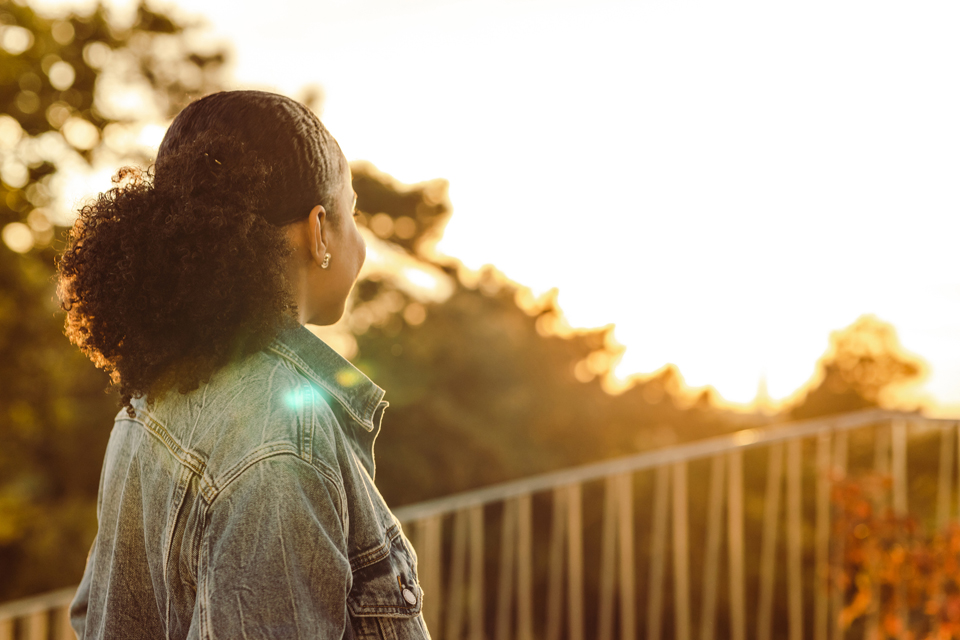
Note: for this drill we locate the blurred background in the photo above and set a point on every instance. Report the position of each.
(595, 228)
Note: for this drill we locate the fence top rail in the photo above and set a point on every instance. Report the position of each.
(745, 439)
(36, 604)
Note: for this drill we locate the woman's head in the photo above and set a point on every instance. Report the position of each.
(305, 163)
(178, 270)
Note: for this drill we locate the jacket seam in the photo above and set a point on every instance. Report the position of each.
(285, 449)
(168, 546)
(378, 553)
(203, 583)
(189, 460)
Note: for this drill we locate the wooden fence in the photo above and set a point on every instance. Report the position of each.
(608, 550)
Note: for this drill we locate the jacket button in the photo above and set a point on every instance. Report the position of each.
(409, 596)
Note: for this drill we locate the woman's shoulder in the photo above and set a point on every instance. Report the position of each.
(250, 410)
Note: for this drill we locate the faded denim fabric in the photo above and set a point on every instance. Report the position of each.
(247, 509)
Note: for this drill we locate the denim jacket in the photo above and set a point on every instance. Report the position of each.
(247, 509)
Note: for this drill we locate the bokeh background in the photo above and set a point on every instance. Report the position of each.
(594, 228)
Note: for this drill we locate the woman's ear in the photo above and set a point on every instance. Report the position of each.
(317, 225)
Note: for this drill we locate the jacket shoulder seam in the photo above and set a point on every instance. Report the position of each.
(190, 460)
(282, 449)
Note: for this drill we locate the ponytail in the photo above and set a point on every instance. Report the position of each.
(175, 271)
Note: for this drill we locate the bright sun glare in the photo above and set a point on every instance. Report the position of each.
(727, 183)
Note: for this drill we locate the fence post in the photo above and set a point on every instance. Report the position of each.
(476, 573)
(607, 559)
(956, 428)
(658, 546)
(768, 548)
(508, 548)
(898, 450)
(63, 630)
(6, 629)
(525, 567)
(555, 579)
(795, 536)
(898, 445)
(458, 561)
(840, 471)
(38, 625)
(821, 620)
(628, 567)
(575, 563)
(681, 571)
(428, 551)
(944, 497)
(711, 561)
(738, 623)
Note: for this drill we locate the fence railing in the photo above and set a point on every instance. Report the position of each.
(634, 547)
(549, 599)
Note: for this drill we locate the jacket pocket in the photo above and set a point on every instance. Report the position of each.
(386, 598)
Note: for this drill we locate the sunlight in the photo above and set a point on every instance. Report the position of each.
(723, 191)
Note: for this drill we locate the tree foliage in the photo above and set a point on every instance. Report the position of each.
(55, 76)
(864, 367)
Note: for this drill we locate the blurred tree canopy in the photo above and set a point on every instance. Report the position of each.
(59, 82)
(864, 367)
(486, 384)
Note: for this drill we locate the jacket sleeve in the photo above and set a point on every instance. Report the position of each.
(273, 560)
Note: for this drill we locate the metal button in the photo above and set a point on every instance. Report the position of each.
(409, 596)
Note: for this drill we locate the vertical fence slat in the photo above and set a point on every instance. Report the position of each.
(628, 566)
(768, 544)
(795, 537)
(836, 600)
(575, 563)
(898, 446)
(821, 617)
(555, 578)
(476, 573)
(956, 429)
(881, 450)
(37, 626)
(458, 561)
(738, 623)
(711, 562)
(681, 553)
(428, 552)
(944, 497)
(658, 545)
(525, 567)
(508, 549)
(61, 625)
(898, 456)
(881, 466)
(607, 559)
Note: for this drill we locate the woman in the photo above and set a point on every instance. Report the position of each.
(237, 496)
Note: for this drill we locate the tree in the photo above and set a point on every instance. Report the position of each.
(55, 87)
(864, 367)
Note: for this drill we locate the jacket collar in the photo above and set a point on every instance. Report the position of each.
(358, 395)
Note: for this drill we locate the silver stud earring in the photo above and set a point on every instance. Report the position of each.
(326, 261)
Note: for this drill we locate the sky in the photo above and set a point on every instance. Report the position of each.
(727, 183)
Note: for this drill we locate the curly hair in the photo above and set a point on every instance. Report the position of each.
(181, 268)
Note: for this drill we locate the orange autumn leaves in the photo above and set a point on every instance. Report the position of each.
(900, 577)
